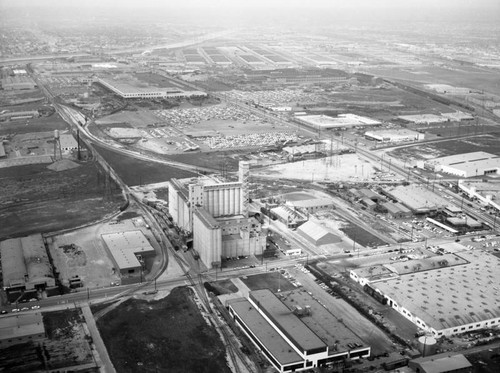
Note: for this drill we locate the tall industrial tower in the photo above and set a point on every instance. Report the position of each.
(57, 145)
(244, 174)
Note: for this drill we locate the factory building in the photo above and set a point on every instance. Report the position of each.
(21, 328)
(466, 165)
(312, 205)
(25, 264)
(296, 76)
(291, 337)
(418, 199)
(316, 234)
(396, 135)
(320, 122)
(444, 363)
(128, 249)
(17, 115)
(18, 82)
(442, 296)
(68, 142)
(125, 90)
(397, 210)
(217, 214)
(289, 216)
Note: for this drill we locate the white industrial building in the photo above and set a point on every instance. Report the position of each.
(456, 294)
(342, 121)
(396, 135)
(217, 214)
(316, 234)
(68, 142)
(126, 90)
(127, 250)
(466, 165)
(291, 339)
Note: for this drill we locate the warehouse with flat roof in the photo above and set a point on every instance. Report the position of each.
(457, 295)
(25, 264)
(291, 339)
(394, 135)
(21, 328)
(466, 165)
(125, 90)
(418, 199)
(312, 205)
(342, 121)
(127, 250)
(267, 339)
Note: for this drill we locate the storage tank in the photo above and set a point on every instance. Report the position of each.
(427, 345)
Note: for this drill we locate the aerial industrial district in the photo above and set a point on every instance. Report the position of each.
(228, 206)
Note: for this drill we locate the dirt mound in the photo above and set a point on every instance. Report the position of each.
(63, 165)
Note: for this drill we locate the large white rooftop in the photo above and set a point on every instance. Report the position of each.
(124, 246)
(451, 296)
(343, 120)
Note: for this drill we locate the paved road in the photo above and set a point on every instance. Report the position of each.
(97, 340)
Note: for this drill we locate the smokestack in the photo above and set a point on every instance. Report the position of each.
(78, 141)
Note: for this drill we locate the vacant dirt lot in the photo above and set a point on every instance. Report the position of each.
(36, 199)
(137, 172)
(169, 335)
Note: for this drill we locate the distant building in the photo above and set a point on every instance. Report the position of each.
(18, 82)
(313, 205)
(466, 165)
(13, 115)
(25, 264)
(396, 135)
(21, 328)
(126, 90)
(296, 76)
(68, 142)
(342, 121)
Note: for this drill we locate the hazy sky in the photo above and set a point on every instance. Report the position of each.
(346, 4)
(210, 10)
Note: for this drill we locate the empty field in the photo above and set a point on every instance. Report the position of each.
(169, 335)
(135, 172)
(36, 199)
